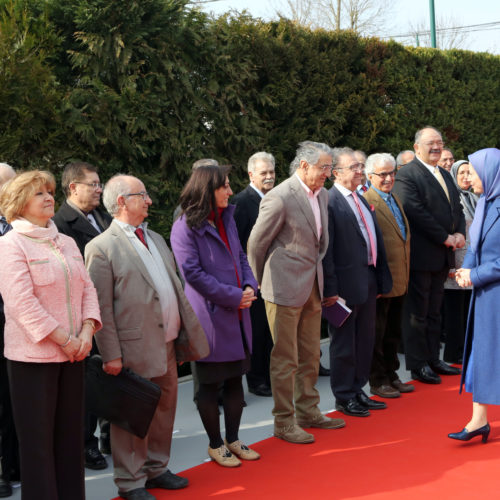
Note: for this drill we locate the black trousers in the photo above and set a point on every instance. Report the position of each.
(351, 347)
(455, 312)
(262, 344)
(385, 362)
(9, 448)
(47, 400)
(422, 317)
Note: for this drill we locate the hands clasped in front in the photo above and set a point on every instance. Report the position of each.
(455, 241)
(247, 298)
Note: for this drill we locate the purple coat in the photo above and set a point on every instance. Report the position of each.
(211, 285)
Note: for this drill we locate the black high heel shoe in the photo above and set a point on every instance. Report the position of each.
(465, 435)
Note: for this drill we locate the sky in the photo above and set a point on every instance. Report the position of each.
(403, 14)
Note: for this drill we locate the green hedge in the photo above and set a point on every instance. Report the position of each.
(149, 86)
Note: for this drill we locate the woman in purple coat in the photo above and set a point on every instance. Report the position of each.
(481, 269)
(220, 286)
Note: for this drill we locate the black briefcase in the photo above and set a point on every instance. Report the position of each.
(126, 400)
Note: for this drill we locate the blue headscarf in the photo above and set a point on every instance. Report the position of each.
(486, 163)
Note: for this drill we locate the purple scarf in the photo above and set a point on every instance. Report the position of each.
(486, 163)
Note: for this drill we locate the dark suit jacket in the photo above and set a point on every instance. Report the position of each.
(72, 223)
(247, 210)
(431, 216)
(346, 264)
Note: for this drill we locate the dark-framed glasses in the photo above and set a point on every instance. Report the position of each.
(93, 185)
(144, 195)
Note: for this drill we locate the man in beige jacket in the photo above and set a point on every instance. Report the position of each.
(285, 250)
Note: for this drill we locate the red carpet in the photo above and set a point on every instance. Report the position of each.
(399, 453)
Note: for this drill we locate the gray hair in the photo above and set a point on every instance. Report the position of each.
(338, 152)
(6, 173)
(310, 152)
(399, 158)
(262, 156)
(418, 134)
(361, 153)
(378, 159)
(205, 162)
(115, 187)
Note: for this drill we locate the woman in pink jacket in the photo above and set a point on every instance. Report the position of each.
(51, 314)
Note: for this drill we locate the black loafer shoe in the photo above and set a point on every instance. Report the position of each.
(426, 375)
(167, 481)
(94, 459)
(261, 390)
(352, 408)
(5, 489)
(137, 494)
(442, 368)
(323, 372)
(368, 403)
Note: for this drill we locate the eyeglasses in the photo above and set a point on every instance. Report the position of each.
(434, 143)
(93, 185)
(144, 195)
(355, 167)
(383, 175)
(324, 168)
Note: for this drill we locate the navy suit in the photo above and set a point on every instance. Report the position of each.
(348, 275)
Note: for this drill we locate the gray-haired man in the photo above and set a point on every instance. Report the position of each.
(285, 250)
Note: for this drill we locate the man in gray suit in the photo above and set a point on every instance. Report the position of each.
(285, 250)
(148, 326)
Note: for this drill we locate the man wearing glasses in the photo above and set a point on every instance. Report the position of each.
(145, 315)
(81, 218)
(432, 205)
(384, 381)
(80, 215)
(355, 269)
(285, 250)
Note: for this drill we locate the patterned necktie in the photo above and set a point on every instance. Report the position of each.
(370, 235)
(140, 234)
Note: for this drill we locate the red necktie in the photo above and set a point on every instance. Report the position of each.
(370, 235)
(140, 234)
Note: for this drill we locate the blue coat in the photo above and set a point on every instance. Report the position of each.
(211, 285)
(484, 313)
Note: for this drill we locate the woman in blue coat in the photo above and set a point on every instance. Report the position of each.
(220, 287)
(481, 269)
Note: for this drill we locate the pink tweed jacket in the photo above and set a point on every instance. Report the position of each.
(44, 283)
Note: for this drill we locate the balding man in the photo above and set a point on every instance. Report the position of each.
(403, 158)
(146, 316)
(432, 205)
(9, 447)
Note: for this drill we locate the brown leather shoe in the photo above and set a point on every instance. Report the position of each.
(322, 422)
(293, 434)
(402, 388)
(385, 391)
